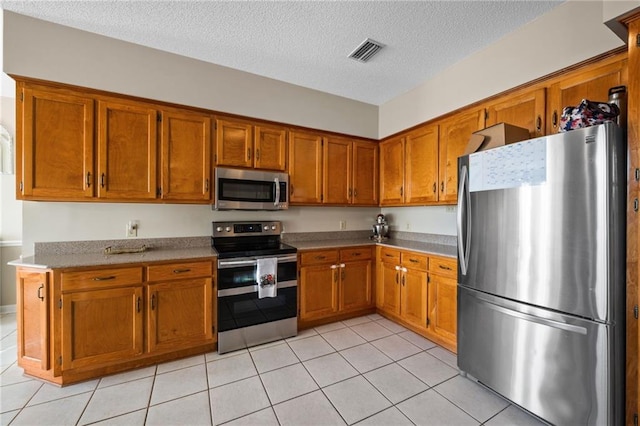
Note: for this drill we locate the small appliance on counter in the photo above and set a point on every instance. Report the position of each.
(380, 229)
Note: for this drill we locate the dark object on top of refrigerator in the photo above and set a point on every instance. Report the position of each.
(541, 273)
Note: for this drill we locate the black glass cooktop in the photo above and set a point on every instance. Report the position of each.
(250, 246)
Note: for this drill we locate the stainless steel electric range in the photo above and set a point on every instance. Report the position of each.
(245, 319)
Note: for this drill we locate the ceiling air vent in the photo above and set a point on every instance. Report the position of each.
(366, 50)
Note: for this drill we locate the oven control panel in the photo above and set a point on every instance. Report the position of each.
(245, 229)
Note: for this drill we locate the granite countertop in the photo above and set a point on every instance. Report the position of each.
(419, 246)
(78, 254)
(78, 260)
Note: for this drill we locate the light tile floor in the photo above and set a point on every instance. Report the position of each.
(365, 370)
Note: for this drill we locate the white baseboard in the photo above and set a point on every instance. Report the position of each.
(8, 309)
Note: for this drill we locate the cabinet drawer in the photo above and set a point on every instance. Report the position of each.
(389, 255)
(320, 256)
(103, 278)
(443, 266)
(178, 271)
(415, 261)
(356, 253)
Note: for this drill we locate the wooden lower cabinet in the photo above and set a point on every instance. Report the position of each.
(443, 300)
(78, 324)
(101, 326)
(32, 318)
(335, 283)
(179, 306)
(414, 290)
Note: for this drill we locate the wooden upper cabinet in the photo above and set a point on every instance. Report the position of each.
(454, 136)
(55, 144)
(185, 156)
(392, 162)
(127, 150)
(243, 144)
(526, 110)
(421, 165)
(305, 168)
(365, 173)
(592, 82)
(270, 146)
(234, 143)
(337, 155)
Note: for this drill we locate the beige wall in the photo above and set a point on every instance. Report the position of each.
(570, 33)
(48, 51)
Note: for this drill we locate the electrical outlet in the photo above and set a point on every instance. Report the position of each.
(451, 209)
(132, 228)
(408, 227)
(343, 225)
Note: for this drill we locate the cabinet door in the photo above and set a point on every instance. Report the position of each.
(355, 285)
(318, 291)
(55, 145)
(443, 308)
(337, 171)
(392, 172)
(33, 320)
(305, 168)
(270, 144)
(185, 156)
(234, 143)
(421, 172)
(127, 141)
(179, 314)
(592, 82)
(526, 110)
(414, 297)
(454, 136)
(365, 174)
(101, 327)
(390, 279)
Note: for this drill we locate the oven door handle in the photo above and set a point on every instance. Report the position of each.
(226, 263)
(252, 289)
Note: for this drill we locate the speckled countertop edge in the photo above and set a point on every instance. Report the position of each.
(78, 254)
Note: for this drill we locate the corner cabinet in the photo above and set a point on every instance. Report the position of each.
(418, 291)
(77, 324)
(335, 284)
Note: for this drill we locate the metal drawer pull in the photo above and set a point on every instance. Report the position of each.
(444, 267)
(40, 296)
(206, 184)
(356, 254)
(138, 305)
(248, 153)
(388, 255)
(414, 261)
(111, 277)
(181, 271)
(88, 179)
(102, 180)
(153, 302)
(320, 257)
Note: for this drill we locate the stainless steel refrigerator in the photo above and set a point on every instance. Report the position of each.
(541, 273)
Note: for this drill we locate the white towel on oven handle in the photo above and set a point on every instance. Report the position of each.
(267, 277)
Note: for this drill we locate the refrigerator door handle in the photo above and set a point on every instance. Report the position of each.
(538, 320)
(464, 214)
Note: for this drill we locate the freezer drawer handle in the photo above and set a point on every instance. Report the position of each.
(537, 320)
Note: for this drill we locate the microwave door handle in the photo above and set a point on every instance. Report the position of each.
(277, 200)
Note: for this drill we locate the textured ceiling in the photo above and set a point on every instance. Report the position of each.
(305, 42)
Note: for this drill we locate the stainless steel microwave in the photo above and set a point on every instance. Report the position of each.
(238, 189)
